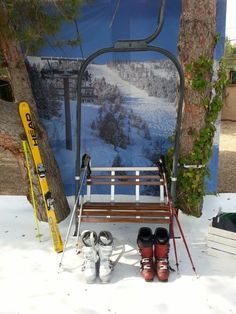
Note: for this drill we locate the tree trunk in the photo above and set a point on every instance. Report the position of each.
(197, 39)
(14, 179)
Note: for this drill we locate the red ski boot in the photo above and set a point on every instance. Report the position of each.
(145, 245)
(161, 252)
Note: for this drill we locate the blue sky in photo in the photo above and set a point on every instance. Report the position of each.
(134, 19)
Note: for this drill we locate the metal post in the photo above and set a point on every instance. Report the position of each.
(67, 113)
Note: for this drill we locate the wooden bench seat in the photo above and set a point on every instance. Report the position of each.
(130, 212)
(114, 207)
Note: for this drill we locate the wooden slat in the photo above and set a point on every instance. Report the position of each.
(221, 240)
(126, 219)
(220, 254)
(222, 233)
(152, 183)
(109, 169)
(129, 206)
(124, 177)
(222, 247)
(125, 213)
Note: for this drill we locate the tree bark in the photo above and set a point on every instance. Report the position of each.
(196, 39)
(14, 179)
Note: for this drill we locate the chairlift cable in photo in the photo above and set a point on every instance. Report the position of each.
(115, 13)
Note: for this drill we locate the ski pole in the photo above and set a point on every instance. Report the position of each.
(85, 165)
(174, 243)
(85, 162)
(25, 149)
(161, 166)
(185, 242)
(79, 223)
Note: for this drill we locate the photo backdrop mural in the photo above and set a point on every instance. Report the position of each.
(128, 99)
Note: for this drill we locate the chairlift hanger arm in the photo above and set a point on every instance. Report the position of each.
(140, 43)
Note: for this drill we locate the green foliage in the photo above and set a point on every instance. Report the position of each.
(69, 8)
(230, 54)
(216, 38)
(191, 185)
(200, 70)
(230, 48)
(31, 22)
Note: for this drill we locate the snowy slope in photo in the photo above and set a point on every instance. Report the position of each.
(158, 112)
(32, 283)
(154, 115)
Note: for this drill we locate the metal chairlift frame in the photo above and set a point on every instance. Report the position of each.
(132, 46)
(138, 45)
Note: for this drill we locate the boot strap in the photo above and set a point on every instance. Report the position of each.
(164, 263)
(146, 263)
(162, 267)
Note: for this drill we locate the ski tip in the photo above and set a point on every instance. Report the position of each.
(59, 251)
(23, 103)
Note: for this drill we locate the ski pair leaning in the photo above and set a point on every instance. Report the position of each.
(154, 251)
(97, 250)
(28, 124)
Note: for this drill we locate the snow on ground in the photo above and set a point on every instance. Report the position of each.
(30, 282)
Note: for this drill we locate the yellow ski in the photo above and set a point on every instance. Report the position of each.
(27, 122)
(26, 150)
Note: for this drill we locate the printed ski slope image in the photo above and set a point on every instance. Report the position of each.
(124, 116)
(128, 112)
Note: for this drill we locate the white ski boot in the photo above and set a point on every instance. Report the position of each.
(105, 247)
(90, 253)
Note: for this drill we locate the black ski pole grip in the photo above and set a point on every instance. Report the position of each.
(86, 163)
(161, 164)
